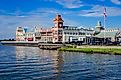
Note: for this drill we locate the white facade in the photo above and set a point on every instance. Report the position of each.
(20, 34)
(74, 34)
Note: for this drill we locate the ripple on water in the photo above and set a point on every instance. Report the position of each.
(27, 63)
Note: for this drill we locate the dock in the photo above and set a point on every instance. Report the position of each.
(41, 45)
(49, 46)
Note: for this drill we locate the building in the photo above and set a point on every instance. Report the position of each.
(46, 35)
(23, 34)
(58, 29)
(20, 34)
(53, 34)
(106, 36)
(60, 33)
(75, 34)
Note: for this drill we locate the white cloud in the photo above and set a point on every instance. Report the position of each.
(40, 18)
(43, 17)
(8, 24)
(70, 3)
(116, 2)
(98, 11)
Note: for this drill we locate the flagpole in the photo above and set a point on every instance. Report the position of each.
(104, 23)
(104, 29)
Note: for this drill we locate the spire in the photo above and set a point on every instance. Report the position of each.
(58, 18)
(99, 26)
(99, 23)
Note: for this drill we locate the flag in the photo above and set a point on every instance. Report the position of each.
(105, 15)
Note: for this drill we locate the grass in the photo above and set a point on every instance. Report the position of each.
(93, 50)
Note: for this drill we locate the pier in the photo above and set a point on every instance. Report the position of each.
(49, 46)
(41, 45)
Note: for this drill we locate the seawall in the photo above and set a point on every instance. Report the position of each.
(20, 43)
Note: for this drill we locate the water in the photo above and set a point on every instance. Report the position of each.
(31, 63)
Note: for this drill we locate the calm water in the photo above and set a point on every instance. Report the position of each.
(31, 63)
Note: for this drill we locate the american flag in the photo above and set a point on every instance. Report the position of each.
(105, 15)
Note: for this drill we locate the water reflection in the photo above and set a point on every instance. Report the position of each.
(25, 53)
(58, 65)
(50, 60)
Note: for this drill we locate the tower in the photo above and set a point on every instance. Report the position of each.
(58, 22)
(58, 29)
(20, 34)
(99, 26)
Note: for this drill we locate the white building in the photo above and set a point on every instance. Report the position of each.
(75, 34)
(58, 33)
(23, 34)
(20, 34)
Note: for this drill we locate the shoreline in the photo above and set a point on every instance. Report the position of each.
(101, 50)
(19, 43)
(71, 48)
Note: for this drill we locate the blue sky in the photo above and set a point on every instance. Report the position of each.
(40, 13)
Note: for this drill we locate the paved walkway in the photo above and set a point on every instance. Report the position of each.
(86, 46)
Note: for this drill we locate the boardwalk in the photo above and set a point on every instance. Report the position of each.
(49, 46)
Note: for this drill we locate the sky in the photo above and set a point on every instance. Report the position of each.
(40, 13)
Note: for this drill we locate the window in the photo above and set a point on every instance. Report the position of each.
(70, 33)
(87, 33)
(60, 25)
(79, 33)
(56, 24)
(83, 33)
(67, 32)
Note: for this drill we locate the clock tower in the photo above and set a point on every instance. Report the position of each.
(58, 29)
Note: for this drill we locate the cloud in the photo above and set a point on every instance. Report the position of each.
(8, 24)
(41, 18)
(97, 11)
(70, 3)
(116, 2)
